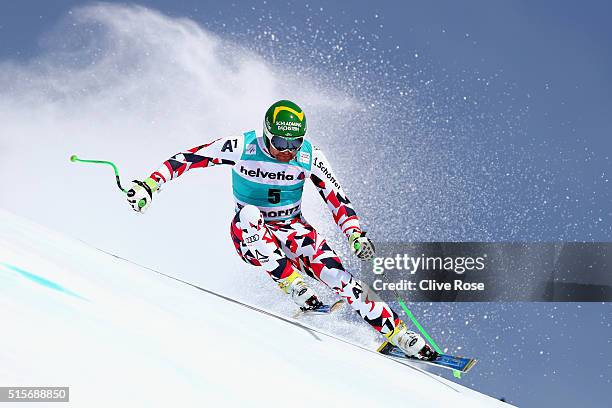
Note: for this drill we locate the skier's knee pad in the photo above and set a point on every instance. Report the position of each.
(251, 220)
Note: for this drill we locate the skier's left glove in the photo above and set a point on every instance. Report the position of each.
(141, 193)
(362, 246)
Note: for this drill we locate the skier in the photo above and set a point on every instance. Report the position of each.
(269, 230)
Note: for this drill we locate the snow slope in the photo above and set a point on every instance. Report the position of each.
(122, 335)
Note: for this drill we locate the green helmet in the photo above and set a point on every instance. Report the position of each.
(286, 119)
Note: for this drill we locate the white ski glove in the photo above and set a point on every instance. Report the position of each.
(140, 194)
(362, 246)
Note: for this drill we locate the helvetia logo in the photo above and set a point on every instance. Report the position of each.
(279, 175)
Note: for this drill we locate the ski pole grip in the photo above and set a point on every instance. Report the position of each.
(353, 241)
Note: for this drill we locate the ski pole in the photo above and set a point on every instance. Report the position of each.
(74, 159)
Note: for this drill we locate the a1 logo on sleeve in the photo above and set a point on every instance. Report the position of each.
(250, 149)
(304, 157)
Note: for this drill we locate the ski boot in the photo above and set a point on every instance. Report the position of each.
(300, 293)
(411, 343)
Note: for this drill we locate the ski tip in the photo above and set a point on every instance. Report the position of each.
(469, 365)
(336, 306)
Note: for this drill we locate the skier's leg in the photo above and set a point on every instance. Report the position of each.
(313, 254)
(327, 267)
(256, 245)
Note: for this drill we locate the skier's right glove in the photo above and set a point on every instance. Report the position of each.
(362, 246)
(140, 194)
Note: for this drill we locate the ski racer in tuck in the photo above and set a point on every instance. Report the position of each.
(268, 175)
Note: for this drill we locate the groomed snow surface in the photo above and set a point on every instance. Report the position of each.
(121, 335)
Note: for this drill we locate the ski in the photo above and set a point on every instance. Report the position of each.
(462, 364)
(321, 310)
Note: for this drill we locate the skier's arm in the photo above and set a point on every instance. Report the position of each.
(221, 151)
(329, 189)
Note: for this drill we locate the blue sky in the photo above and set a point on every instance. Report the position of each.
(506, 136)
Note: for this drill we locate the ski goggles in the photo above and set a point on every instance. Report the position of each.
(283, 143)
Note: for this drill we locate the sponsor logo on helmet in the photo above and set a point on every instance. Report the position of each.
(250, 149)
(288, 126)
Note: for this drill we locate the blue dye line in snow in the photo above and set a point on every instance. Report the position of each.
(41, 281)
